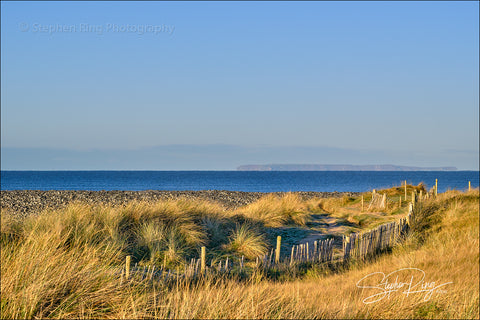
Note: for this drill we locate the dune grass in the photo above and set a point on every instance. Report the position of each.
(66, 263)
(274, 211)
(245, 241)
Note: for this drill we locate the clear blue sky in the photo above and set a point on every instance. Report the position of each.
(394, 80)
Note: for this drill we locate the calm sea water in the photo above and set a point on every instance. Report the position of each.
(266, 181)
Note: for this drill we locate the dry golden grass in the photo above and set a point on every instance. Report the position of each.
(49, 272)
(450, 254)
(246, 241)
(65, 264)
(274, 211)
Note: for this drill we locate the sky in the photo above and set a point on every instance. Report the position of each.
(214, 85)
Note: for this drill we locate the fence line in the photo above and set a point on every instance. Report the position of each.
(365, 244)
(355, 246)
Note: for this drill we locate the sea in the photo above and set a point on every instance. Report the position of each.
(254, 181)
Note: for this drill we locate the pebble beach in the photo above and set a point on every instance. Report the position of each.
(25, 202)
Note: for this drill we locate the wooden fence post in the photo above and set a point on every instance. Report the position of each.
(202, 257)
(469, 186)
(127, 267)
(346, 248)
(436, 187)
(277, 250)
(400, 202)
(405, 190)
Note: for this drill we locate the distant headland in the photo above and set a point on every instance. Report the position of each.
(337, 167)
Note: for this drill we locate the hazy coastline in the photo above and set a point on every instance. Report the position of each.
(338, 167)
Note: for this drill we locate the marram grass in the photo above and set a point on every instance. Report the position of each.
(276, 211)
(245, 241)
(66, 263)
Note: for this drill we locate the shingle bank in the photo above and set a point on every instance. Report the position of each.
(26, 202)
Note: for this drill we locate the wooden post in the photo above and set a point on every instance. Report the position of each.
(346, 248)
(400, 202)
(436, 187)
(277, 250)
(330, 249)
(384, 200)
(362, 202)
(291, 256)
(421, 195)
(127, 267)
(320, 251)
(405, 190)
(202, 257)
(469, 186)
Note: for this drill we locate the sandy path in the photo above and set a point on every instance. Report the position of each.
(322, 226)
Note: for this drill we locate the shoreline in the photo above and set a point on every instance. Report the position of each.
(25, 202)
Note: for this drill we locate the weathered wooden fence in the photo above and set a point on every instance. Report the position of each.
(318, 251)
(367, 244)
(187, 271)
(382, 201)
(321, 251)
(364, 244)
